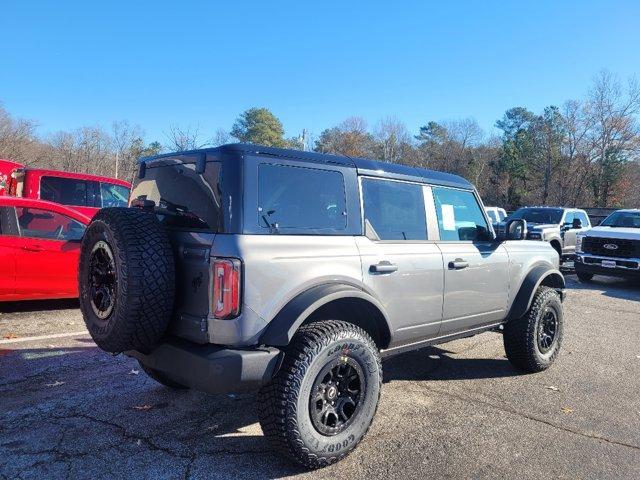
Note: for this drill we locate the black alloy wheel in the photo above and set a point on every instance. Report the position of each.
(547, 330)
(102, 280)
(336, 396)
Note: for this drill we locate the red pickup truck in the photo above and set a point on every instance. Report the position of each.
(82, 192)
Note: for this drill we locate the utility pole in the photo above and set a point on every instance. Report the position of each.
(303, 139)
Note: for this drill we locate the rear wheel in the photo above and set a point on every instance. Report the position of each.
(323, 399)
(533, 341)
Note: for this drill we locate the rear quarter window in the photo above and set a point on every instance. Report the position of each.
(300, 198)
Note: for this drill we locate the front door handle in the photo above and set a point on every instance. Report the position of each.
(458, 264)
(383, 267)
(33, 248)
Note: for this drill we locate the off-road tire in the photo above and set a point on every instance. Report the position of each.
(521, 335)
(584, 277)
(144, 280)
(162, 379)
(284, 406)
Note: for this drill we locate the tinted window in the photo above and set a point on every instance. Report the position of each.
(37, 223)
(622, 220)
(7, 221)
(67, 191)
(296, 197)
(114, 195)
(538, 215)
(394, 210)
(459, 215)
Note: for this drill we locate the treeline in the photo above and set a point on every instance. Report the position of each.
(585, 152)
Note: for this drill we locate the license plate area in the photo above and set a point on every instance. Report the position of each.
(609, 263)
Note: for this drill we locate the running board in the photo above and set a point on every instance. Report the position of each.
(408, 347)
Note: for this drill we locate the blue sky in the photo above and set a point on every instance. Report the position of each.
(73, 63)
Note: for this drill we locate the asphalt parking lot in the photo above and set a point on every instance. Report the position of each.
(456, 411)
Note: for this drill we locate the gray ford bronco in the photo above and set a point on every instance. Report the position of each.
(243, 268)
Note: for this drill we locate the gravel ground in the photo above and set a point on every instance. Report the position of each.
(456, 411)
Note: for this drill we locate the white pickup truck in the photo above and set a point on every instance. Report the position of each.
(612, 248)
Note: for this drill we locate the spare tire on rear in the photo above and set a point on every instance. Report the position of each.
(126, 279)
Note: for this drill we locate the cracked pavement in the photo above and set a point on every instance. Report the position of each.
(69, 410)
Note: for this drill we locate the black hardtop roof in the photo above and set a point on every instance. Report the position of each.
(364, 166)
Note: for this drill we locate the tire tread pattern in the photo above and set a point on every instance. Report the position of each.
(278, 398)
(520, 335)
(145, 275)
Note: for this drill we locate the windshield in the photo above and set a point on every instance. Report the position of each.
(622, 220)
(538, 215)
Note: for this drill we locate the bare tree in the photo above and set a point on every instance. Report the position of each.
(181, 139)
(124, 137)
(393, 139)
(613, 130)
(16, 137)
(220, 137)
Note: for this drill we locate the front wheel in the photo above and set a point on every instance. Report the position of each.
(323, 399)
(532, 342)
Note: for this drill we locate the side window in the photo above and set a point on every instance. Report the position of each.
(492, 216)
(583, 218)
(459, 215)
(393, 210)
(113, 195)
(300, 197)
(37, 223)
(568, 219)
(66, 191)
(8, 224)
(502, 215)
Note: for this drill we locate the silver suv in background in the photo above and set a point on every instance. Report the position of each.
(294, 273)
(612, 248)
(557, 225)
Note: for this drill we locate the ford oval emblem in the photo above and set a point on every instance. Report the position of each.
(610, 246)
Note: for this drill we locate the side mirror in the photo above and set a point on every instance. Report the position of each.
(577, 224)
(514, 230)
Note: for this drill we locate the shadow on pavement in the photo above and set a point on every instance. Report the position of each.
(38, 305)
(613, 287)
(434, 364)
(90, 413)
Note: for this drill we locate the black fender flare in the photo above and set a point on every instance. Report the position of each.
(284, 325)
(533, 279)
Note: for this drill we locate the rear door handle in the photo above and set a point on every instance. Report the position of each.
(458, 264)
(33, 248)
(383, 267)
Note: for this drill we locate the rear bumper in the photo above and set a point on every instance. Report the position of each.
(590, 264)
(211, 368)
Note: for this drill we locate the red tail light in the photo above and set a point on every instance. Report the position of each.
(226, 287)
